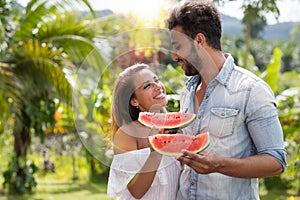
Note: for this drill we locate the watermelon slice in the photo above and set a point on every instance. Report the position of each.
(169, 120)
(173, 144)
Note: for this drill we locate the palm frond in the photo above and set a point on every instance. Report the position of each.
(73, 35)
(10, 97)
(39, 12)
(65, 24)
(63, 5)
(40, 67)
(43, 79)
(32, 20)
(81, 51)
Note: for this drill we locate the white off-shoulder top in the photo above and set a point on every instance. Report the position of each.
(124, 167)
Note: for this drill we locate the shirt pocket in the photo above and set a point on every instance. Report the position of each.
(222, 121)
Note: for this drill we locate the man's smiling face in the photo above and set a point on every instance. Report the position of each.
(184, 51)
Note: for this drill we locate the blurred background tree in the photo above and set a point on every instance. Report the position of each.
(39, 50)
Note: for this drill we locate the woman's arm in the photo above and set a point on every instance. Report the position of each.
(142, 181)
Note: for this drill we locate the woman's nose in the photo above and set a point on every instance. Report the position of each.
(174, 56)
(157, 85)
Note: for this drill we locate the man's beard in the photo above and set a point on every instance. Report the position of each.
(190, 69)
(191, 61)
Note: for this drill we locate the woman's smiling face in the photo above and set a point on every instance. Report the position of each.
(149, 91)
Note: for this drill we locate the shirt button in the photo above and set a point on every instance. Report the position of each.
(192, 183)
(222, 114)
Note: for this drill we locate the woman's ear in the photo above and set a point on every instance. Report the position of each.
(134, 102)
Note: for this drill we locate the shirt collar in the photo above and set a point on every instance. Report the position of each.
(222, 77)
(226, 70)
(193, 80)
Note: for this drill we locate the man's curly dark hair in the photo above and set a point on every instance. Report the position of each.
(198, 17)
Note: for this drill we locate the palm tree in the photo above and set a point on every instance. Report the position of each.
(39, 56)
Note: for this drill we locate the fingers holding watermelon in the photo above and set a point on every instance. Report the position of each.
(155, 130)
(203, 163)
(173, 131)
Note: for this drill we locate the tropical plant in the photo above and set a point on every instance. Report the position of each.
(254, 17)
(286, 88)
(39, 56)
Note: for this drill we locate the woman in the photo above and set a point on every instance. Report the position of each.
(138, 172)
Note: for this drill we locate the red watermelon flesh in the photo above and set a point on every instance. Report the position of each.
(173, 144)
(169, 120)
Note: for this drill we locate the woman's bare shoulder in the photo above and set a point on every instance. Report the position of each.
(124, 140)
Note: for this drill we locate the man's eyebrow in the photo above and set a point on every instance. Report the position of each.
(174, 42)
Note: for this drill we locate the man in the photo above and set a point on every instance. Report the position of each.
(237, 108)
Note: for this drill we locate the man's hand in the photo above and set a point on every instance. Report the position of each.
(203, 163)
(257, 166)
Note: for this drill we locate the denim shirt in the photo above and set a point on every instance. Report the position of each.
(240, 113)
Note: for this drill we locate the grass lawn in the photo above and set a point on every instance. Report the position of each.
(59, 185)
(57, 189)
(53, 189)
(277, 194)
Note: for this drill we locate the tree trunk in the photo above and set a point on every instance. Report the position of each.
(19, 182)
(22, 142)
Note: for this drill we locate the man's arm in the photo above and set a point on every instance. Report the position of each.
(257, 166)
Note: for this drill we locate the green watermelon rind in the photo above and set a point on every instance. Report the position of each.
(181, 125)
(177, 153)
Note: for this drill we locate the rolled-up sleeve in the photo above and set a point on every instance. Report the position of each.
(278, 154)
(263, 123)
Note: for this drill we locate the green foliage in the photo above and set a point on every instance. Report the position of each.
(173, 78)
(41, 51)
(6, 149)
(41, 116)
(273, 70)
(174, 81)
(103, 99)
(262, 52)
(251, 62)
(17, 183)
(97, 147)
(289, 113)
(288, 98)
